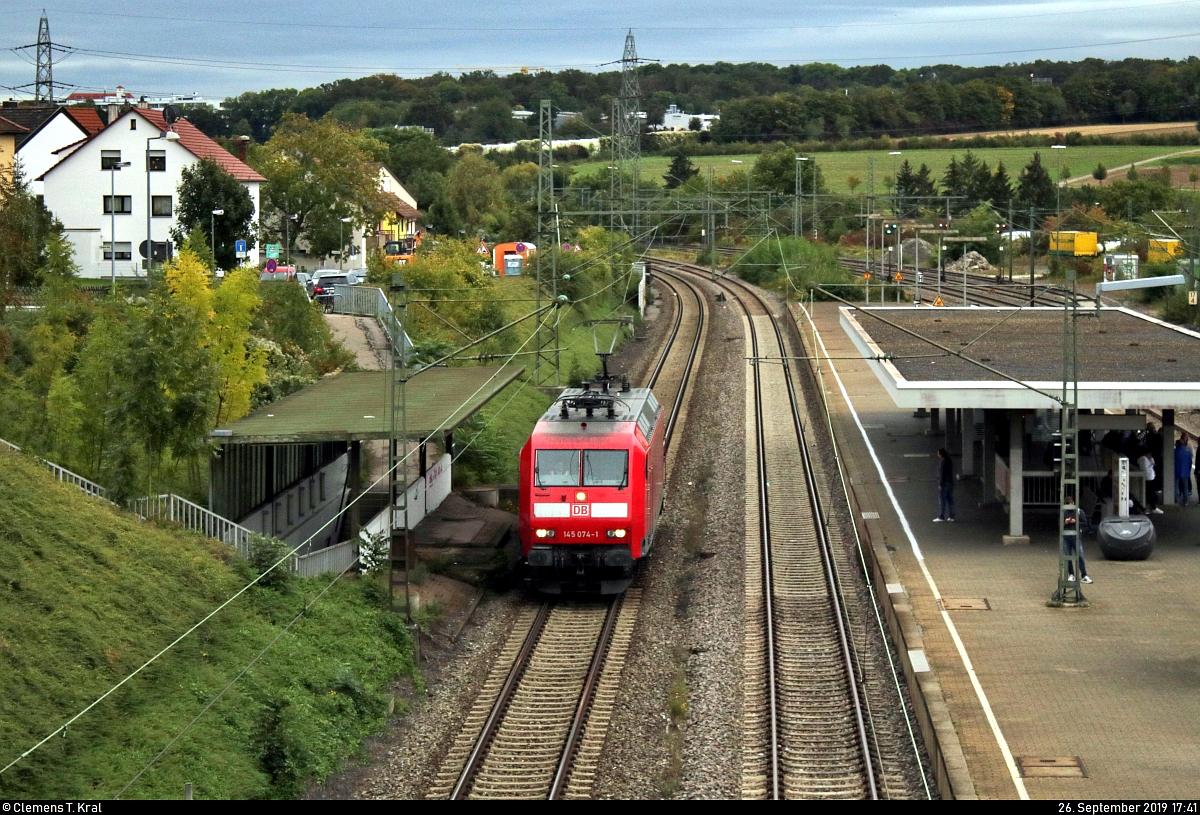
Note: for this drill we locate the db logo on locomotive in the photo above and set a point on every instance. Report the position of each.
(580, 510)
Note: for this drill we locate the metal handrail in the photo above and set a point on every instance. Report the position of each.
(63, 474)
(173, 508)
(368, 301)
(189, 515)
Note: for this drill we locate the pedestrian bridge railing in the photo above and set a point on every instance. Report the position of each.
(368, 301)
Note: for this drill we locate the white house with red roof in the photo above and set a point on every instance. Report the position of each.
(55, 139)
(102, 208)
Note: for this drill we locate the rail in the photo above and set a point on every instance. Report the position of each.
(368, 301)
(172, 508)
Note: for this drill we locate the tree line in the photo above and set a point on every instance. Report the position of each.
(756, 101)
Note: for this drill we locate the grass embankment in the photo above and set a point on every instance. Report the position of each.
(88, 593)
(837, 167)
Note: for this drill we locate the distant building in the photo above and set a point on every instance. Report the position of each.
(120, 96)
(676, 119)
(106, 214)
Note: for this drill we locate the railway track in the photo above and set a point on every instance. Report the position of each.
(810, 677)
(537, 728)
(979, 289)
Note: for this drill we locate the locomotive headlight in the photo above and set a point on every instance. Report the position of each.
(616, 533)
(581, 496)
(544, 533)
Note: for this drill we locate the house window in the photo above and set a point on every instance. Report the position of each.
(133, 124)
(160, 205)
(109, 159)
(124, 250)
(156, 162)
(123, 205)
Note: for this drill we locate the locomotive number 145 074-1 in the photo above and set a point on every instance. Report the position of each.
(581, 534)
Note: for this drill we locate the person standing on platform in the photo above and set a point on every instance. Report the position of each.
(1183, 471)
(1146, 463)
(945, 487)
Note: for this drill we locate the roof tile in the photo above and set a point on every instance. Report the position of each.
(202, 146)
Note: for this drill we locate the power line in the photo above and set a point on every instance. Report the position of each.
(401, 461)
(373, 25)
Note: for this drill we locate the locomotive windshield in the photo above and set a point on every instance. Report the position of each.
(605, 468)
(557, 468)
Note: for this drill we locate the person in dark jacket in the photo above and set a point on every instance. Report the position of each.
(945, 487)
(1183, 471)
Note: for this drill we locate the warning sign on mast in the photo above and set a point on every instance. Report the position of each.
(938, 302)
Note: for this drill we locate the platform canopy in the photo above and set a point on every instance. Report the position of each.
(1125, 359)
(354, 407)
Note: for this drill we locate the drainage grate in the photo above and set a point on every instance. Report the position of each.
(1055, 767)
(965, 604)
(870, 516)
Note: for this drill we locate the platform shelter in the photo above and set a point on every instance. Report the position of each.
(1001, 420)
(287, 468)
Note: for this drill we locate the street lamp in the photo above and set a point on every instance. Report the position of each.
(895, 186)
(287, 236)
(798, 210)
(113, 169)
(341, 242)
(170, 135)
(213, 232)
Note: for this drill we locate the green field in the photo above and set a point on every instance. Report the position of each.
(837, 167)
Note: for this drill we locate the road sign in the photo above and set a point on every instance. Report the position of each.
(273, 251)
(239, 246)
(520, 247)
(866, 276)
(938, 302)
(899, 277)
(272, 264)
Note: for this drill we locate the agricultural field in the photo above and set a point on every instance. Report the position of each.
(838, 168)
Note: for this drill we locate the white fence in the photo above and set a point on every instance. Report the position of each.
(368, 301)
(337, 558)
(424, 495)
(172, 508)
(63, 474)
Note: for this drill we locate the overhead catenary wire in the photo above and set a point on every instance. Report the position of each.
(285, 558)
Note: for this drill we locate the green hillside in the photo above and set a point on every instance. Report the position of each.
(87, 593)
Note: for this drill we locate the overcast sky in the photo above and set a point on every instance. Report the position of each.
(220, 48)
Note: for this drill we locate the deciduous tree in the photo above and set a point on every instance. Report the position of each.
(205, 187)
(319, 172)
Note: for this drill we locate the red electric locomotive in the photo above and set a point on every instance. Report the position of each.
(591, 488)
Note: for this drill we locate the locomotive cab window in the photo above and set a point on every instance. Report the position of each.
(605, 468)
(557, 468)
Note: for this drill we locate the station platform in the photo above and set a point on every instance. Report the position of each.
(1045, 703)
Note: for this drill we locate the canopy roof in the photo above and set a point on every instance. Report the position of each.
(1125, 359)
(353, 406)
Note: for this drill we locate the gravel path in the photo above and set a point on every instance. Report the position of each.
(678, 716)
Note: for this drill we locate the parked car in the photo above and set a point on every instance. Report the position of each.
(323, 287)
(319, 273)
(280, 273)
